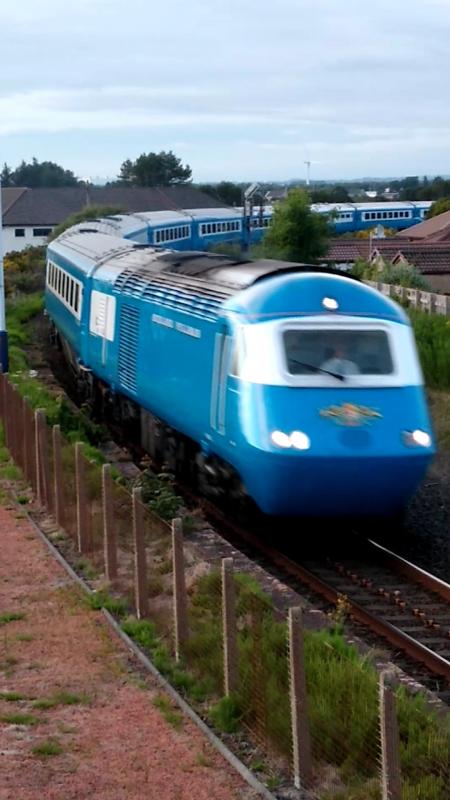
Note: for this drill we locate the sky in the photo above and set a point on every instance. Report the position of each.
(239, 90)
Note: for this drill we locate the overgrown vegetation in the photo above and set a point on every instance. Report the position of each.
(397, 274)
(432, 332)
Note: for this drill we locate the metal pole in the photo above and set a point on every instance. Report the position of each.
(4, 361)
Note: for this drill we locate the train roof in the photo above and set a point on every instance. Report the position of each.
(324, 208)
(138, 270)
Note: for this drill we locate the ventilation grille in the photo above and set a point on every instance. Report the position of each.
(175, 292)
(128, 347)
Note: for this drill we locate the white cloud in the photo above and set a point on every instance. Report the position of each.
(289, 76)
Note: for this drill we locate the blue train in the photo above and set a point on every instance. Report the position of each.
(289, 387)
(355, 217)
(204, 229)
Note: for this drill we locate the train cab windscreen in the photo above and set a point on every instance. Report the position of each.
(340, 351)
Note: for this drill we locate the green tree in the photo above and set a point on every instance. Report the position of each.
(439, 207)
(6, 176)
(296, 233)
(229, 193)
(87, 213)
(155, 169)
(330, 194)
(42, 174)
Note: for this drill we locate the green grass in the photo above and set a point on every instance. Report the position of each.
(10, 472)
(432, 332)
(12, 697)
(164, 705)
(51, 747)
(10, 616)
(86, 567)
(117, 606)
(19, 719)
(60, 698)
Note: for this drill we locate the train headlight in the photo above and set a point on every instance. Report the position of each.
(296, 439)
(417, 438)
(280, 439)
(300, 440)
(330, 303)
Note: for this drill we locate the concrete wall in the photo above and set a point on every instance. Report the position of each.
(424, 301)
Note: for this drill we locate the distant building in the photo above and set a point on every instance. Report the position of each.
(29, 215)
(431, 258)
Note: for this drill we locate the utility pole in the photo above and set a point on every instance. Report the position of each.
(4, 361)
(247, 215)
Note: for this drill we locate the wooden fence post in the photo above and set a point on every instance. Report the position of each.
(301, 741)
(58, 475)
(391, 782)
(26, 443)
(179, 589)
(140, 561)
(6, 417)
(109, 528)
(230, 655)
(42, 465)
(82, 516)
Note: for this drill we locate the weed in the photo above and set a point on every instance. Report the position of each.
(158, 491)
(10, 616)
(164, 705)
(203, 761)
(226, 715)
(340, 613)
(22, 499)
(51, 747)
(164, 567)
(102, 599)
(258, 766)
(24, 637)
(142, 631)
(60, 698)
(11, 697)
(86, 567)
(9, 472)
(155, 586)
(272, 782)
(19, 719)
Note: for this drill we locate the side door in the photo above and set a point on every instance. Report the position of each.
(218, 403)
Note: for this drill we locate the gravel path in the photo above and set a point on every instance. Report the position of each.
(114, 743)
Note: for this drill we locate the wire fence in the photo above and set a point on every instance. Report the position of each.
(306, 700)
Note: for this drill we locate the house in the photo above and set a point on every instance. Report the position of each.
(436, 229)
(29, 215)
(431, 258)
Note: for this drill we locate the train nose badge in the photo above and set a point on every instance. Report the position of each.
(350, 414)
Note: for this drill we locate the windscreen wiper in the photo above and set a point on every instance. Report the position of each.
(313, 368)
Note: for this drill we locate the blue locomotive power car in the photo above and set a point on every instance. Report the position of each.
(296, 388)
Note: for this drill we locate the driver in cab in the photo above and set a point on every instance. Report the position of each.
(337, 362)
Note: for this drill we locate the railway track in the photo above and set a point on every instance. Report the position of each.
(386, 594)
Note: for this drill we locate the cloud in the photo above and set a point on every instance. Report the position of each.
(230, 80)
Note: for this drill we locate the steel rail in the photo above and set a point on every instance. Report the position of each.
(418, 575)
(395, 636)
